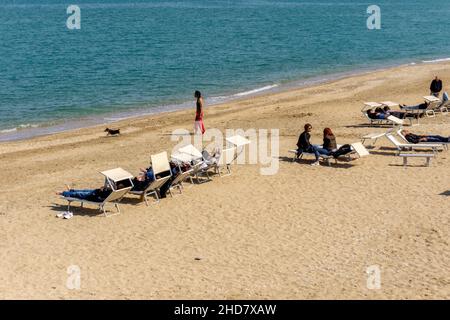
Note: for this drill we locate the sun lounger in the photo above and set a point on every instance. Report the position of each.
(227, 156)
(372, 136)
(443, 107)
(410, 146)
(434, 106)
(390, 104)
(113, 178)
(427, 156)
(192, 151)
(195, 162)
(200, 168)
(160, 165)
(391, 120)
(357, 149)
(444, 144)
(371, 105)
(237, 141)
(178, 181)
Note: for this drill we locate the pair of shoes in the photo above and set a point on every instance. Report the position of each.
(316, 163)
(64, 215)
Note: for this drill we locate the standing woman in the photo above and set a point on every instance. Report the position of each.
(199, 125)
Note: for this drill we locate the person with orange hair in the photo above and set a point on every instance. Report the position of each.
(329, 140)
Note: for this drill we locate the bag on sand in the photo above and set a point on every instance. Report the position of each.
(346, 148)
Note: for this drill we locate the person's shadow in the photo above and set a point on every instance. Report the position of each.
(445, 193)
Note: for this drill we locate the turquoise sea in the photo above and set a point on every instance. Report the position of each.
(137, 57)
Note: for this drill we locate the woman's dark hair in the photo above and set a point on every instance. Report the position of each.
(197, 94)
(307, 126)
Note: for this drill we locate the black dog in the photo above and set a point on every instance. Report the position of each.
(112, 132)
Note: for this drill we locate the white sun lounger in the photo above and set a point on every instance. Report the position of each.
(427, 156)
(160, 164)
(113, 178)
(194, 155)
(444, 144)
(227, 156)
(178, 181)
(372, 136)
(237, 141)
(436, 105)
(391, 120)
(443, 107)
(410, 146)
(433, 107)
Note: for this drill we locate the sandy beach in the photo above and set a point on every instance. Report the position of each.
(304, 233)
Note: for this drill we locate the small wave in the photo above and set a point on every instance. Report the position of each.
(112, 119)
(19, 127)
(246, 93)
(8, 130)
(436, 61)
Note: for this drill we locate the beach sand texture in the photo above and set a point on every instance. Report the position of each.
(306, 232)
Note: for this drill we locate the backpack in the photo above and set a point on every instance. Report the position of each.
(346, 148)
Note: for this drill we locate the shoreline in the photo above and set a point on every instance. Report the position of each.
(30, 131)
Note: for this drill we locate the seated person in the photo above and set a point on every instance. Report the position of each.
(384, 113)
(212, 158)
(413, 138)
(144, 178)
(378, 113)
(304, 145)
(329, 144)
(329, 140)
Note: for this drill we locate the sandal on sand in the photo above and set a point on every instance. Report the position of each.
(67, 215)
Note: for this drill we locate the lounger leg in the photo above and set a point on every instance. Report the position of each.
(405, 161)
(117, 207)
(428, 162)
(145, 199)
(170, 192)
(102, 208)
